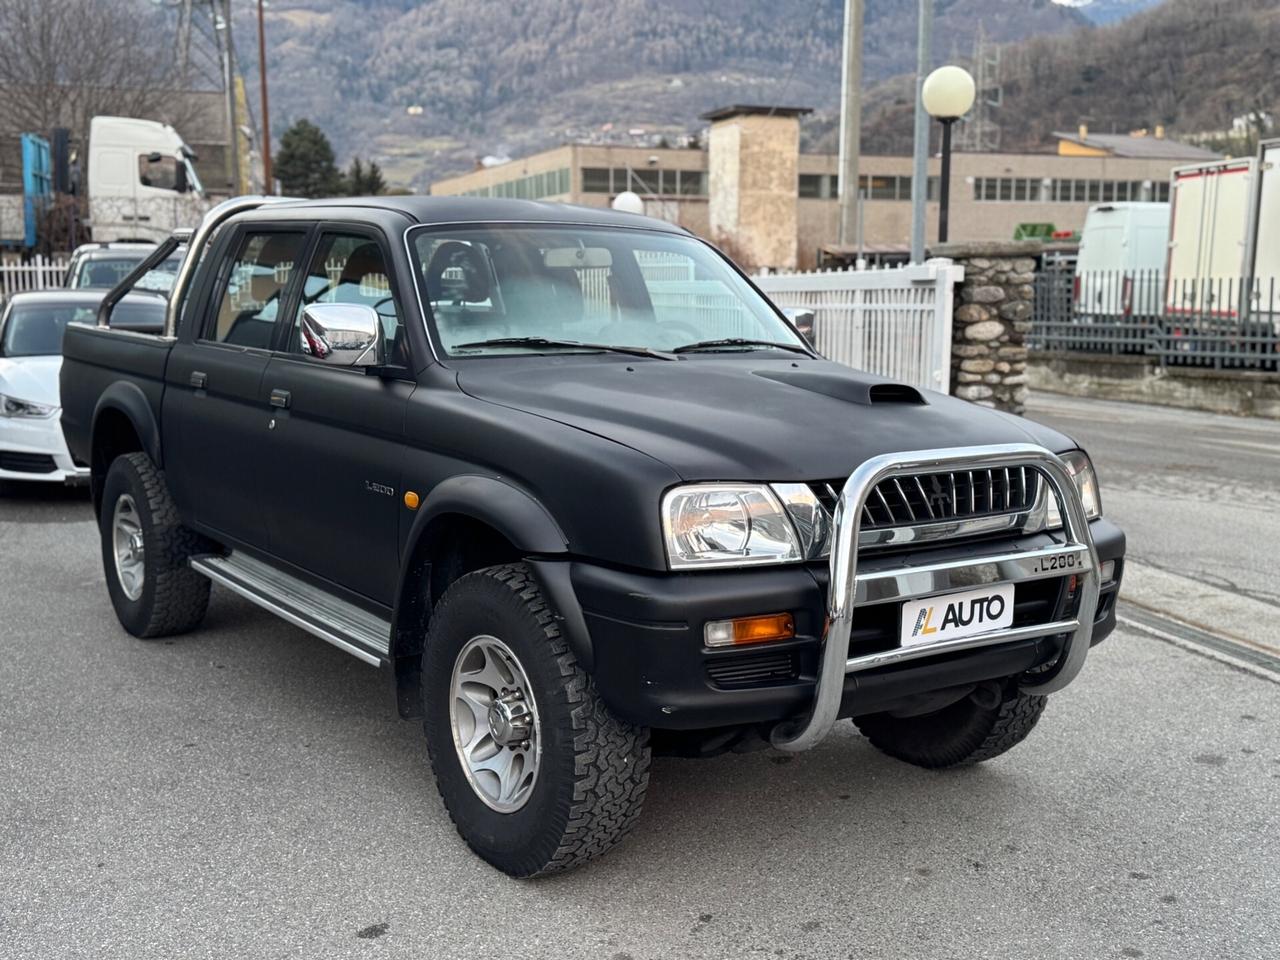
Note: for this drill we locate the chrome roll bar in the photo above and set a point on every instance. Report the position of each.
(849, 588)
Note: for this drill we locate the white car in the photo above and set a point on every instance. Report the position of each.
(31, 327)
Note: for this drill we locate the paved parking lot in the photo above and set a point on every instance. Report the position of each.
(247, 792)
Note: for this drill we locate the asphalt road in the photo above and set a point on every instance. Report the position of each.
(246, 792)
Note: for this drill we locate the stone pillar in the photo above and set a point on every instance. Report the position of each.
(991, 321)
(753, 159)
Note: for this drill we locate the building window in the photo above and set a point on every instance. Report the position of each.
(692, 183)
(595, 180)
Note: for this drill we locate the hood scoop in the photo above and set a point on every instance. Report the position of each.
(852, 387)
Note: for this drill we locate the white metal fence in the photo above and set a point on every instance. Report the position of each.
(895, 322)
(38, 273)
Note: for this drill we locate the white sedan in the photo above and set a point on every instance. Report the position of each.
(31, 327)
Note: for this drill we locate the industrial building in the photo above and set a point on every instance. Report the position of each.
(752, 190)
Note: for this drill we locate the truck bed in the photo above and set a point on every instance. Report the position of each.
(104, 366)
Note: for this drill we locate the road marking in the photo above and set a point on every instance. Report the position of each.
(1269, 449)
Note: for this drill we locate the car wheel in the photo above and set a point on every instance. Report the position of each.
(145, 552)
(535, 771)
(978, 727)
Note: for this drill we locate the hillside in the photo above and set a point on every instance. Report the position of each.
(1190, 65)
(496, 77)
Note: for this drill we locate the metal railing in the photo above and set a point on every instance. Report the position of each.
(1219, 323)
(895, 322)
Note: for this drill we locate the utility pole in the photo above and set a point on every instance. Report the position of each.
(920, 155)
(266, 116)
(228, 82)
(850, 120)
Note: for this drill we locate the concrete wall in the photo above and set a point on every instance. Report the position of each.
(1142, 380)
(752, 173)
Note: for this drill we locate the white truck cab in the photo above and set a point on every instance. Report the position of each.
(142, 184)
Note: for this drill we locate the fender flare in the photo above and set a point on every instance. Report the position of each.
(128, 398)
(526, 524)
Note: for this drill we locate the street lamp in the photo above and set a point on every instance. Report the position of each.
(947, 94)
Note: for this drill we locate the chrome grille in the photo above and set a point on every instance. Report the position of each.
(930, 497)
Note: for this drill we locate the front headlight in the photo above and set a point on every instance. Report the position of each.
(1086, 481)
(726, 525)
(13, 407)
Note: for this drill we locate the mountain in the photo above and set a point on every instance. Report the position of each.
(427, 87)
(1108, 11)
(1188, 65)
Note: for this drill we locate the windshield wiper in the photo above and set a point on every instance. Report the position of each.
(573, 344)
(739, 342)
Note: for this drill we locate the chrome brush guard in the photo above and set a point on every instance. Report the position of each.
(849, 589)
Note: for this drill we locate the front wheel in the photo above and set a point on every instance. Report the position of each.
(145, 552)
(978, 727)
(536, 772)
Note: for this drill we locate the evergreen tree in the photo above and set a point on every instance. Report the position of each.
(365, 181)
(304, 164)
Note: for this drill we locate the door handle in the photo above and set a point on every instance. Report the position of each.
(281, 398)
(198, 379)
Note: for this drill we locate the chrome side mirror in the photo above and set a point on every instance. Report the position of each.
(343, 334)
(803, 319)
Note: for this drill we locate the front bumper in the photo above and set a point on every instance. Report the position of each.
(34, 449)
(651, 666)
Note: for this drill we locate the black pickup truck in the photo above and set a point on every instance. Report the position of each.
(584, 494)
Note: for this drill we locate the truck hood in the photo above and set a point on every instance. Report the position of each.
(740, 418)
(31, 378)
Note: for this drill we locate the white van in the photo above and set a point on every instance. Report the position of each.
(142, 185)
(1120, 268)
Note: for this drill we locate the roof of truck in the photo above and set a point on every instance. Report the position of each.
(430, 210)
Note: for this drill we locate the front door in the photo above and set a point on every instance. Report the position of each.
(336, 454)
(217, 416)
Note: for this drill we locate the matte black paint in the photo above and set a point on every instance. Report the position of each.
(565, 456)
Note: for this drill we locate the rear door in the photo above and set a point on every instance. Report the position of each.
(333, 467)
(217, 415)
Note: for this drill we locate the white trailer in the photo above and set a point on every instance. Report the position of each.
(1210, 226)
(142, 185)
(1264, 253)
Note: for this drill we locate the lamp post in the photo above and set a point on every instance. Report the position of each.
(948, 94)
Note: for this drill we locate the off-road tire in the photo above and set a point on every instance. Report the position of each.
(174, 597)
(960, 734)
(594, 768)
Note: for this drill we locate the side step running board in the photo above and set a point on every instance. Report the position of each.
(346, 626)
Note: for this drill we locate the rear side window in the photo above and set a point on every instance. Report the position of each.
(254, 288)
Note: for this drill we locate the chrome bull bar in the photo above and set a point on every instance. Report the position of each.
(849, 588)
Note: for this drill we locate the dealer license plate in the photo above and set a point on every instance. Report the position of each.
(954, 616)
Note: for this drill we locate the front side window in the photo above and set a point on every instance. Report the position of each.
(348, 268)
(160, 172)
(255, 286)
(599, 286)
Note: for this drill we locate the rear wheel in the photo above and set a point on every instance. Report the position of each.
(535, 771)
(145, 552)
(978, 727)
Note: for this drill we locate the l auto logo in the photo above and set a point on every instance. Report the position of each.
(959, 613)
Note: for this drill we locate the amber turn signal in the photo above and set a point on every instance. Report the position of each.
(732, 633)
(411, 500)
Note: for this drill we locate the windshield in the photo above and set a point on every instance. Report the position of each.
(596, 286)
(35, 329)
(105, 272)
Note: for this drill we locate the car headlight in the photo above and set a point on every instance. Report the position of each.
(13, 407)
(726, 525)
(1086, 482)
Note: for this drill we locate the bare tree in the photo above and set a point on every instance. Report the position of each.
(62, 62)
